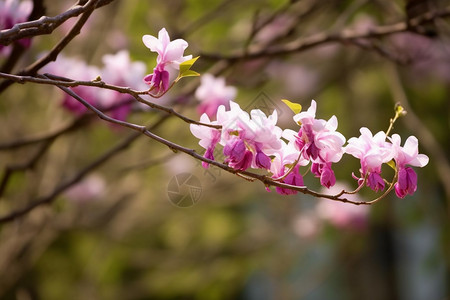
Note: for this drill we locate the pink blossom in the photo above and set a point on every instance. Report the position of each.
(343, 215)
(170, 56)
(282, 163)
(306, 225)
(325, 173)
(318, 139)
(247, 142)
(373, 151)
(209, 137)
(77, 69)
(89, 189)
(255, 137)
(212, 93)
(403, 156)
(119, 70)
(11, 13)
(319, 142)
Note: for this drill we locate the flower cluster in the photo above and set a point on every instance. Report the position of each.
(11, 13)
(117, 69)
(254, 140)
(248, 140)
(170, 56)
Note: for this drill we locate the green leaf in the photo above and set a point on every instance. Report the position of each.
(189, 73)
(295, 107)
(186, 65)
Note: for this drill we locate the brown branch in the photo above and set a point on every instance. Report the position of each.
(10, 169)
(45, 25)
(53, 54)
(343, 36)
(173, 146)
(100, 84)
(43, 138)
(65, 185)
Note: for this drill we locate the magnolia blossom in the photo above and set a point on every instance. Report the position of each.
(170, 56)
(373, 151)
(212, 93)
(11, 13)
(403, 156)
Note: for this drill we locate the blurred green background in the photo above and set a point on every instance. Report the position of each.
(126, 240)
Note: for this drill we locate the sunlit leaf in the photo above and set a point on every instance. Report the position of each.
(186, 65)
(392, 165)
(295, 107)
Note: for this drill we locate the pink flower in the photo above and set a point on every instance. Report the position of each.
(212, 93)
(75, 69)
(119, 70)
(407, 155)
(325, 173)
(209, 137)
(343, 215)
(318, 139)
(170, 56)
(373, 151)
(11, 13)
(248, 141)
(282, 162)
(87, 190)
(319, 142)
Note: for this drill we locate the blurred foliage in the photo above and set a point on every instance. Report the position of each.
(238, 241)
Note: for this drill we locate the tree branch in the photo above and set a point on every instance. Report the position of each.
(45, 25)
(100, 84)
(53, 54)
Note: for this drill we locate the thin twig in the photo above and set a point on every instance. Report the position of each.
(44, 25)
(53, 54)
(344, 36)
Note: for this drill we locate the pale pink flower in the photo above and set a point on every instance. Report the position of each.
(119, 70)
(209, 137)
(283, 159)
(11, 13)
(89, 189)
(403, 156)
(373, 151)
(170, 56)
(317, 138)
(76, 69)
(319, 142)
(343, 215)
(248, 141)
(306, 225)
(212, 93)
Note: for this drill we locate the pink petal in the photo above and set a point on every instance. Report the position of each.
(152, 43)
